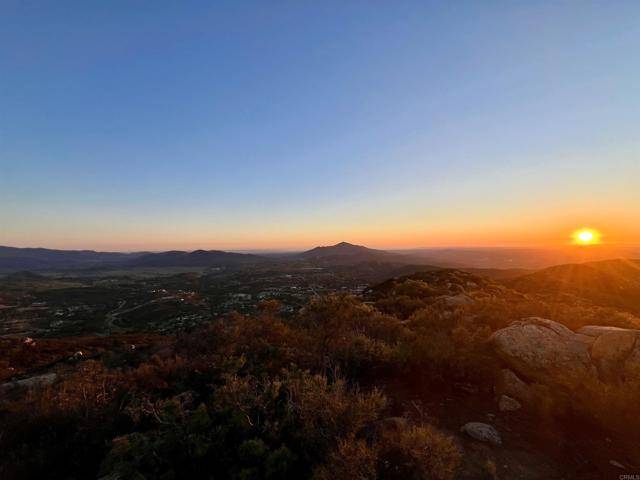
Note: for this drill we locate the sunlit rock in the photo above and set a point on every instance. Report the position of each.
(543, 350)
(613, 350)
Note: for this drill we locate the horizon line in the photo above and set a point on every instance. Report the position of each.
(307, 247)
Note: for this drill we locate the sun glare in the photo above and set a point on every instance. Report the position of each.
(586, 236)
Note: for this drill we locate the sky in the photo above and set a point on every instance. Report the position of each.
(141, 125)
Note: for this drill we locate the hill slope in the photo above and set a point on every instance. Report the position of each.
(14, 259)
(613, 283)
(197, 258)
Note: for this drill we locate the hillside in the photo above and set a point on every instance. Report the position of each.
(528, 258)
(197, 258)
(614, 283)
(16, 259)
(425, 376)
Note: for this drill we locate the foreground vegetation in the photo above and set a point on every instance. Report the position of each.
(319, 395)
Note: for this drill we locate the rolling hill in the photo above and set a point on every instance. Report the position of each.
(197, 258)
(14, 259)
(613, 283)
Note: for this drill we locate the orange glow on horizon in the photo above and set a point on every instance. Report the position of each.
(398, 233)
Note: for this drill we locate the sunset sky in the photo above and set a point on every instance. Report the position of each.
(155, 125)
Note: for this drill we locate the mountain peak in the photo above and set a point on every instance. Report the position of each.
(346, 253)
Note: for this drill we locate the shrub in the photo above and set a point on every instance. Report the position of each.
(417, 453)
(352, 459)
(405, 453)
(345, 333)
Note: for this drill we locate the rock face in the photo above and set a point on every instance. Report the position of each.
(542, 350)
(615, 351)
(515, 387)
(483, 432)
(546, 352)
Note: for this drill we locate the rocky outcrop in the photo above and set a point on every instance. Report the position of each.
(544, 351)
(614, 351)
(483, 432)
(538, 350)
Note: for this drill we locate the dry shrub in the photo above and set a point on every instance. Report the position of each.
(415, 289)
(615, 406)
(352, 459)
(402, 306)
(343, 332)
(160, 373)
(417, 453)
(329, 410)
(86, 393)
(490, 470)
(266, 342)
(407, 453)
(450, 344)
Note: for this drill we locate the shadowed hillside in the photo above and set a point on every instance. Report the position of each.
(197, 258)
(611, 282)
(15, 259)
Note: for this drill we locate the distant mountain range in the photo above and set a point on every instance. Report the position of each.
(582, 278)
(197, 258)
(14, 259)
(41, 259)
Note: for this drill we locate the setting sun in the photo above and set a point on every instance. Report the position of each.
(586, 236)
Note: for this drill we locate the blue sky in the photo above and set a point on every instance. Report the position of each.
(129, 125)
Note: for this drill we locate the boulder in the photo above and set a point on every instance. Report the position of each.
(508, 404)
(483, 432)
(614, 351)
(512, 386)
(597, 330)
(537, 350)
(609, 353)
(458, 300)
(544, 351)
(632, 363)
(30, 382)
(610, 343)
